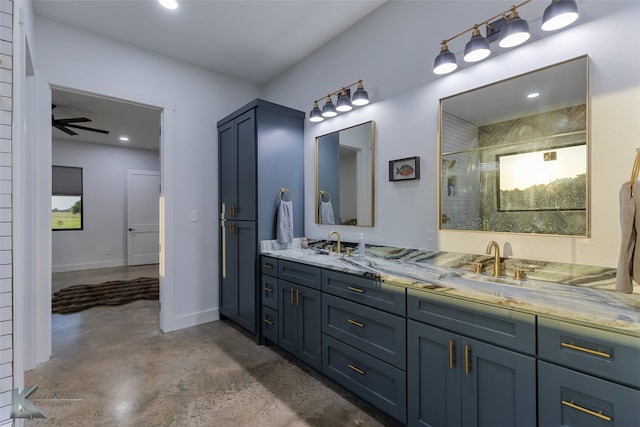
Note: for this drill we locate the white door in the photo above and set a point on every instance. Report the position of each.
(143, 238)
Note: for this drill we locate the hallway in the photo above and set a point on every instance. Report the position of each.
(112, 366)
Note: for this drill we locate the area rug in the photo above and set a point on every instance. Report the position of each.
(80, 297)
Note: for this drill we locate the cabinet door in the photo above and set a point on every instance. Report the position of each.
(572, 399)
(245, 235)
(287, 317)
(309, 327)
(433, 376)
(246, 166)
(498, 386)
(229, 273)
(227, 160)
(237, 167)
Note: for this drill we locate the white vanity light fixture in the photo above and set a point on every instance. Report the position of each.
(344, 102)
(507, 27)
(169, 4)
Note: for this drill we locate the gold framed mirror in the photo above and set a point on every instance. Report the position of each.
(345, 176)
(514, 154)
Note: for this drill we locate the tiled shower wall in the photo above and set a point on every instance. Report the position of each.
(6, 266)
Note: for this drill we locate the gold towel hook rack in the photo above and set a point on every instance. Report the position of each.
(283, 191)
(325, 193)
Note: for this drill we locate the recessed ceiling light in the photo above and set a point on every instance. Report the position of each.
(124, 138)
(169, 4)
(533, 95)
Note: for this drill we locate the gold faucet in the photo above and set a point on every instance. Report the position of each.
(338, 235)
(496, 264)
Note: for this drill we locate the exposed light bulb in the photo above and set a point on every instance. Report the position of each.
(169, 4)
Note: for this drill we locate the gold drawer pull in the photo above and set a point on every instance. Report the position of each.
(351, 288)
(452, 357)
(268, 289)
(355, 368)
(268, 266)
(267, 321)
(353, 322)
(586, 411)
(585, 350)
(467, 359)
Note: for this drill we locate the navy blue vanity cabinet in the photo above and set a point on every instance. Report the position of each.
(465, 364)
(587, 376)
(260, 151)
(364, 339)
(299, 311)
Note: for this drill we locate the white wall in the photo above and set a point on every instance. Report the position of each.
(104, 179)
(393, 50)
(193, 99)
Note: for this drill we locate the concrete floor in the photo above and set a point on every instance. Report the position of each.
(112, 366)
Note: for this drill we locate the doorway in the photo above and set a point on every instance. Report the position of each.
(116, 146)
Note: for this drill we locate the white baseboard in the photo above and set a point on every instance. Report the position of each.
(192, 319)
(88, 266)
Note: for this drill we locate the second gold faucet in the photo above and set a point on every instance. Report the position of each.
(496, 263)
(337, 235)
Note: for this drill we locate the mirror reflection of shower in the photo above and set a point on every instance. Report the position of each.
(449, 163)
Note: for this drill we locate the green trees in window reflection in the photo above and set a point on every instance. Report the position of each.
(561, 194)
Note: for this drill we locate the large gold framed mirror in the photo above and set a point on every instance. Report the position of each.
(514, 154)
(345, 175)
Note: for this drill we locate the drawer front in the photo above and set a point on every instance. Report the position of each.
(365, 291)
(506, 328)
(382, 385)
(376, 332)
(270, 324)
(300, 274)
(602, 353)
(269, 266)
(269, 291)
(572, 399)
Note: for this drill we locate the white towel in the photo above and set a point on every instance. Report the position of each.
(285, 222)
(629, 261)
(326, 213)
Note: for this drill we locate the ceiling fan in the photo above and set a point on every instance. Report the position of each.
(65, 124)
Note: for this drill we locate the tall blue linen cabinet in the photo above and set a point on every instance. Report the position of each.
(260, 152)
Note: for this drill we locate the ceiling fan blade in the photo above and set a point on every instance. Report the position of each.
(89, 129)
(64, 129)
(72, 120)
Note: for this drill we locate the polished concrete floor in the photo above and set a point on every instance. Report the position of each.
(112, 366)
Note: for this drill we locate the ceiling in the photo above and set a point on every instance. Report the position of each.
(254, 40)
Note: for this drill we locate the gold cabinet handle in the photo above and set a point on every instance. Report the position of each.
(224, 243)
(358, 290)
(291, 295)
(467, 359)
(585, 350)
(268, 289)
(586, 411)
(268, 266)
(452, 357)
(358, 324)
(355, 368)
(233, 211)
(297, 296)
(267, 321)
(232, 226)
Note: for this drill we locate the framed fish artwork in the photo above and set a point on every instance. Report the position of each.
(404, 169)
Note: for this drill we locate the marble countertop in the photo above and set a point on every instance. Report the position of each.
(576, 293)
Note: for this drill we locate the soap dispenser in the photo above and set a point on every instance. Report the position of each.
(361, 247)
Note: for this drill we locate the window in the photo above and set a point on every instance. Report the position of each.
(66, 198)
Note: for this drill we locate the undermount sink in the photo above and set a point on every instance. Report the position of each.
(503, 286)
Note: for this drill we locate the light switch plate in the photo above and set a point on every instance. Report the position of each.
(194, 216)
